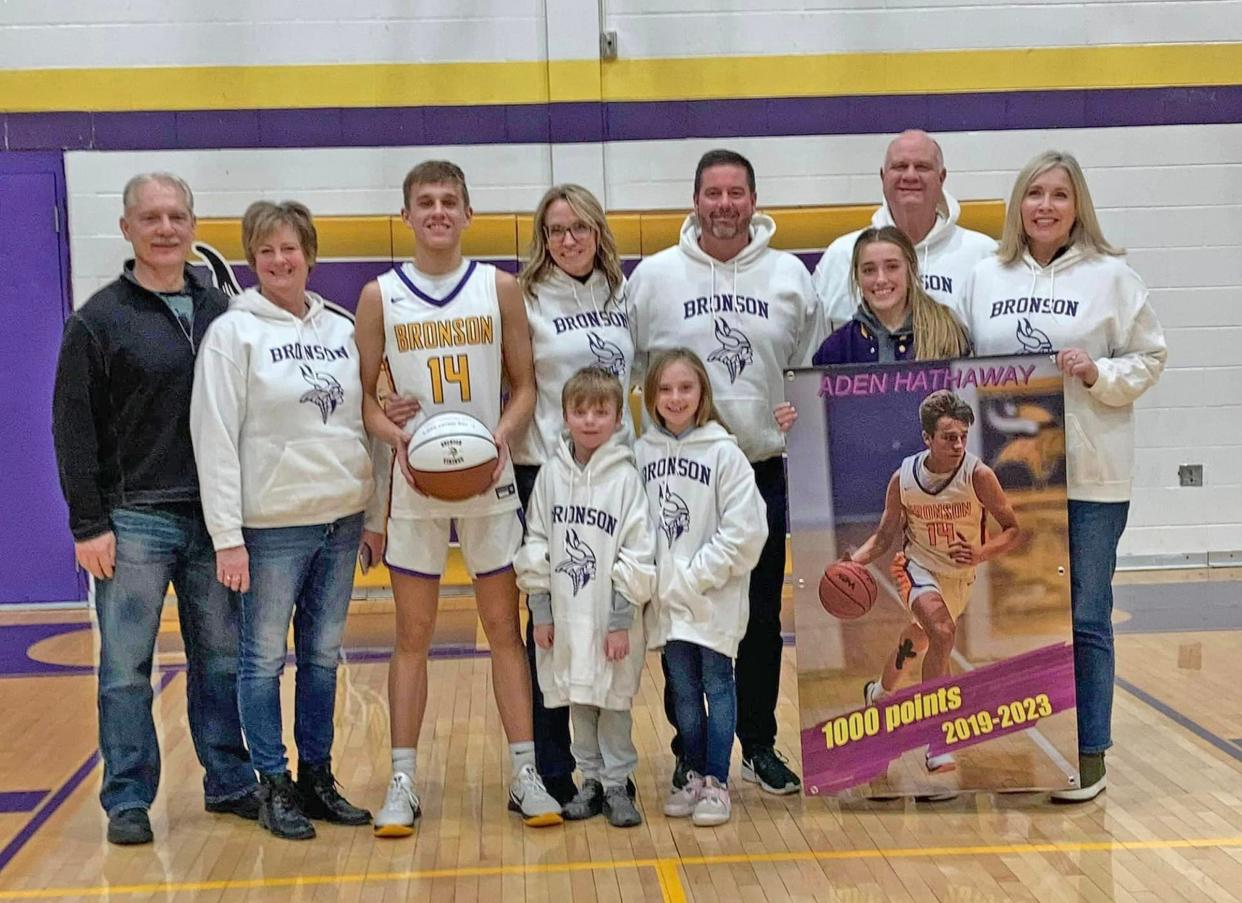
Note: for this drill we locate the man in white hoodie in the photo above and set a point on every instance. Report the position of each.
(750, 312)
(915, 202)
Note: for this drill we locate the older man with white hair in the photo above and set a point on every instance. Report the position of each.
(915, 201)
(121, 423)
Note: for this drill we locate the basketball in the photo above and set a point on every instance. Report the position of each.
(452, 456)
(847, 590)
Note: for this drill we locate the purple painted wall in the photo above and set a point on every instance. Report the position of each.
(36, 550)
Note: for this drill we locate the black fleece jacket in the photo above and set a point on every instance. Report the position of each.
(121, 408)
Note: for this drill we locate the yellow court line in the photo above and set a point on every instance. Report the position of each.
(368, 85)
(666, 868)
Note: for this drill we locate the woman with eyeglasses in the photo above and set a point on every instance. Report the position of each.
(575, 294)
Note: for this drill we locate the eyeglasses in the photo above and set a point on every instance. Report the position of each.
(579, 230)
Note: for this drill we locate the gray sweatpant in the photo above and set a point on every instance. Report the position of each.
(602, 744)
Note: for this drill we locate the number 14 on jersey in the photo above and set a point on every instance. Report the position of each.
(451, 368)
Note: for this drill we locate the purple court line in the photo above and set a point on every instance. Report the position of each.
(15, 801)
(14, 846)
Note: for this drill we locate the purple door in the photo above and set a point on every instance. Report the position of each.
(36, 549)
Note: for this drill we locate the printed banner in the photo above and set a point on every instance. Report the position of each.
(945, 663)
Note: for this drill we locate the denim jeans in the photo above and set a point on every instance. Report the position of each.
(303, 574)
(694, 672)
(153, 547)
(1095, 528)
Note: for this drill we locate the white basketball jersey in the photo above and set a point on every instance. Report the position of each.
(442, 344)
(934, 520)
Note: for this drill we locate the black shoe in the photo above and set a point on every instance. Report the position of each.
(630, 790)
(320, 798)
(129, 827)
(243, 806)
(766, 767)
(562, 787)
(619, 809)
(279, 809)
(681, 773)
(587, 804)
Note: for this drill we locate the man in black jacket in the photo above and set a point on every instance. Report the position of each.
(120, 420)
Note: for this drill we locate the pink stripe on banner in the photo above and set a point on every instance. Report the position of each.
(992, 701)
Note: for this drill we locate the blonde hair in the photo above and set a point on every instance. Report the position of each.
(937, 333)
(591, 386)
(586, 207)
(262, 218)
(1086, 230)
(661, 361)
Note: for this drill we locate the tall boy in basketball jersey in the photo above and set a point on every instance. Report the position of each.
(938, 502)
(450, 331)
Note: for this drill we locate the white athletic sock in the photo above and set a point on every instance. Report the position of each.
(403, 761)
(521, 754)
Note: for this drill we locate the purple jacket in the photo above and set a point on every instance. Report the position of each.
(864, 341)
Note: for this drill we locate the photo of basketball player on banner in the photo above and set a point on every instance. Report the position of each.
(930, 551)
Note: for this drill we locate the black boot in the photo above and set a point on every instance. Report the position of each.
(280, 808)
(320, 798)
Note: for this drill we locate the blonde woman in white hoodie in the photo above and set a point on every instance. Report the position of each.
(286, 473)
(575, 306)
(1056, 286)
(588, 567)
(711, 526)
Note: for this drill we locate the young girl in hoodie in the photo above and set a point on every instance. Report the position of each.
(711, 525)
(588, 568)
(896, 320)
(1056, 286)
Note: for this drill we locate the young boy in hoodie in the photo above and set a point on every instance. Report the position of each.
(588, 567)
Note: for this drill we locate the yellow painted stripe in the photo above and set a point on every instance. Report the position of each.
(926, 72)
(285, 87)
(507, 235)
(665, 867)
(523, 82)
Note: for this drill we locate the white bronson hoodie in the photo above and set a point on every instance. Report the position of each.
(276, 419)
(946, 257)
(1080, 300)
(588, 537)
(572, 326)
(711, 524)
(749, 319)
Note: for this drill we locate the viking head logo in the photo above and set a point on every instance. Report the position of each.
(1033, 340)
(734, 351)
(674, 515)
(325, 392)
(221, 272)
(607, 355)
(580, 565)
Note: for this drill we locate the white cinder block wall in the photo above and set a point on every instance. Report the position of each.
(1171, 194)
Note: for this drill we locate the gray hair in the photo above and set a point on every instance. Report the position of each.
(129, 196)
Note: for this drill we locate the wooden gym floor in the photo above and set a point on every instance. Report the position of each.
(1169, 828)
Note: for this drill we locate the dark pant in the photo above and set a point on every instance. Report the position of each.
(1095, 529)
(757, 671)
(553, 756)
(697, 673)
(153, 547)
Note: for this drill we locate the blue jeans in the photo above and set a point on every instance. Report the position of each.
(303, 574)
(153, 547)
(1095, 528)
(695, 672)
